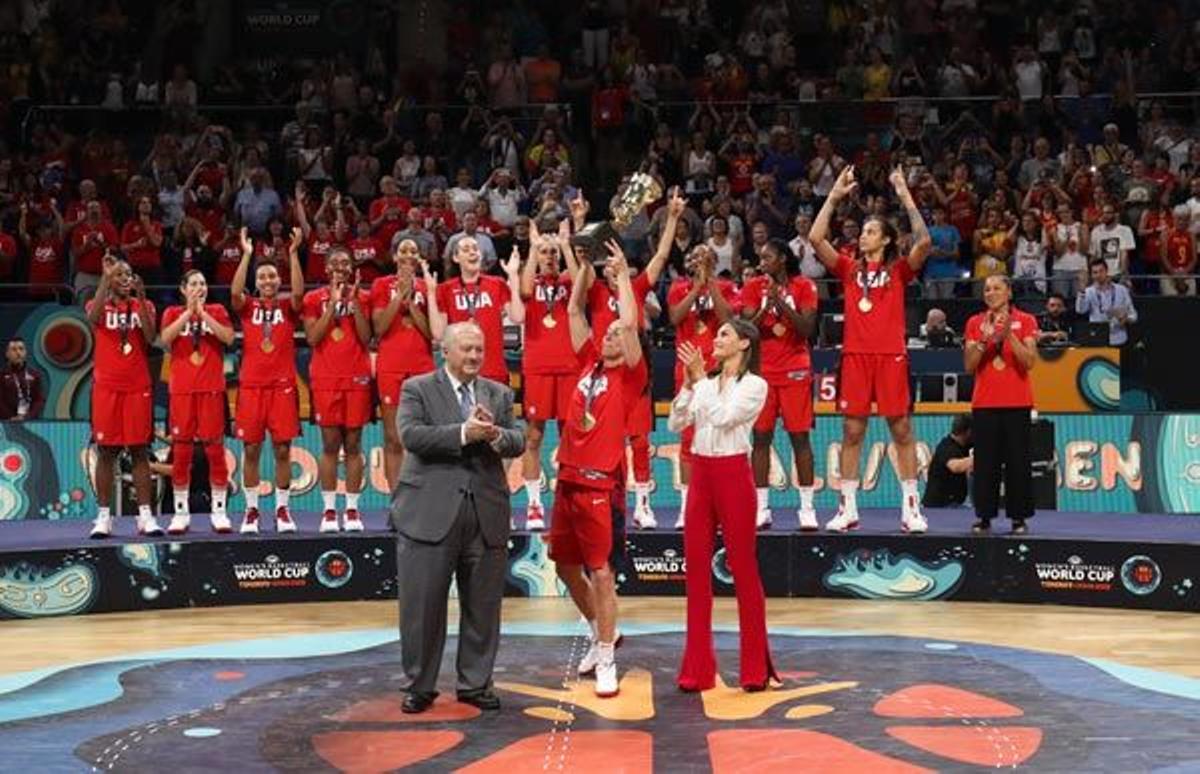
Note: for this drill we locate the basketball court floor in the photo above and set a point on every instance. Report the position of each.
(867, 686)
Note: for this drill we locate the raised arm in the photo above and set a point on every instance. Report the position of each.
(627, 305)
(675, 207)
(237, 288)
(818, 235)
(581, 332)
(437, 320)
(921, 240)
(512, 271)
(149, 325)
(100, 299)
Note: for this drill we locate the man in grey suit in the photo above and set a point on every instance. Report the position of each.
(451, 508)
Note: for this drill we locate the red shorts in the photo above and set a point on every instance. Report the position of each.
(272, 408)
(197, 416)
(341, 408)
(121, 418)
(640, 419)
(585, 524)
(882, 378)
(548, 396)
(389, 387)
(793, 401)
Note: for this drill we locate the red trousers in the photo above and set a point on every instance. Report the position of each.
(722, 492)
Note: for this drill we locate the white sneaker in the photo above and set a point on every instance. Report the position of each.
(643, 517)
(283, 520)
(535, 518)
(844, 520)
(679, 521)
(220, 522)
(329, 522)
(250, 522)
(180, 523)
(913, 522)
(351, 521)
(587, 664)
(808, 520)
(148, 526)
(762, 520)
(607, 685)
(102, 527)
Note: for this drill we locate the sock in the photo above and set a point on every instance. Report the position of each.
(329, 499)
(682, 500)
(533, 490)
(251, 497)
(352, 501)
(144, 512)
(908, 491)
(281, 497)
(806, 498)
(763, 494)
(181, 502)
(642, 490)
(218, 498)
(104, 512)
(607, 652)
(850, 495)
(595, 629)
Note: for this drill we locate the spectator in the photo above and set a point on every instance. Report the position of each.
(406, 169)
(141, 241)
(943, 268)
(315, 159)
(170, 200)
(1111, 242)
(1068, 238)
(76, 211)
(937, 332)
(362, 173)
(546, 154)
(877, 76)
(1104, 301)
(369, 255)
(417, 232)
(825, 166)
(1041, 167)
(1032, 250)
(487, 249)
(90, 240)
(506, 82)
(543, 74)
(504, 197)
(180, 93)
(257, 204)
(22, 388)
(431, 179)
(504, 145)
(463, 195)
(952, 462)
(728, 252)
(762, 204)
(1179, 256)
(1054, 324)
(992, 249)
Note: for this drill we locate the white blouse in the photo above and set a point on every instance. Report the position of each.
(724, 419)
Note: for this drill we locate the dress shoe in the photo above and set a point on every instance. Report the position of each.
(484, 700)
(416, 703)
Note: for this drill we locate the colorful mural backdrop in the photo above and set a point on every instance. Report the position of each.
(1116, 463)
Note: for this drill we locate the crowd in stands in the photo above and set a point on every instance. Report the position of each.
(751, 108)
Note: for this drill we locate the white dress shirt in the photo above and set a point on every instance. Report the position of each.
(455, 385)
(723, 418)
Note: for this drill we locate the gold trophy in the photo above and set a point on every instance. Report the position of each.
(640, 190)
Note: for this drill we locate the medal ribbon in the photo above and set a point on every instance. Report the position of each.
(590, 394)
(123, 327)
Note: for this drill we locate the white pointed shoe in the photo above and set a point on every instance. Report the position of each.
(102, 527)
(808, 520)
(180, 523)
(643, 517)
(844, 521)
(220, 522)
(148, 526)
(762, 519)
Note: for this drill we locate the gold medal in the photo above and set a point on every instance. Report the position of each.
(126, 348)
(589, 421)
(865, 305)
(549, 321)
(701, 327)
(998, 363)
(267, 346)
(196, 357)
(779, 329)
(337, 334)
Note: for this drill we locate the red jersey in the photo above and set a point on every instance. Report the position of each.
(314, 264)
(393, 223)
(741, 174)
(1007, 387)
(1151, 246)
(263, 321)
(212, 219)
(403, 349)
(602, 305)
(960, 212)
(119, 325)
(46, 262)
(784, 352)
(89, 242)
(1181, 250)
(880, 330)
(187, 375)
(699, 327)
(229, 255)
(147, 256)
(548, 348)
(365, 251)
(338, 363)
(483, 302)
(594, 455)
(211, 174)
(78, 208)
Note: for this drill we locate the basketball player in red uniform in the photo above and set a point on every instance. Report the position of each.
(267, 399)
(196, 334)
(591, 465)
(602, 311)
(548, 360)
(400, 316)
(874, 353)
(337, 327)
(697, 306)
(485, 300)
(123, 324)
(783, 304)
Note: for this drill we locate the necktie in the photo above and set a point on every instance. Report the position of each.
(464, 400)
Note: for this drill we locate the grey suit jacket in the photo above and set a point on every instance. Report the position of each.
(438, 471)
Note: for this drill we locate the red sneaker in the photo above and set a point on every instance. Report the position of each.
(329, 522)
(351, 522)
(283, 520)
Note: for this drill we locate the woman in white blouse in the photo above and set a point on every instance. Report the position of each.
(722, 406)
